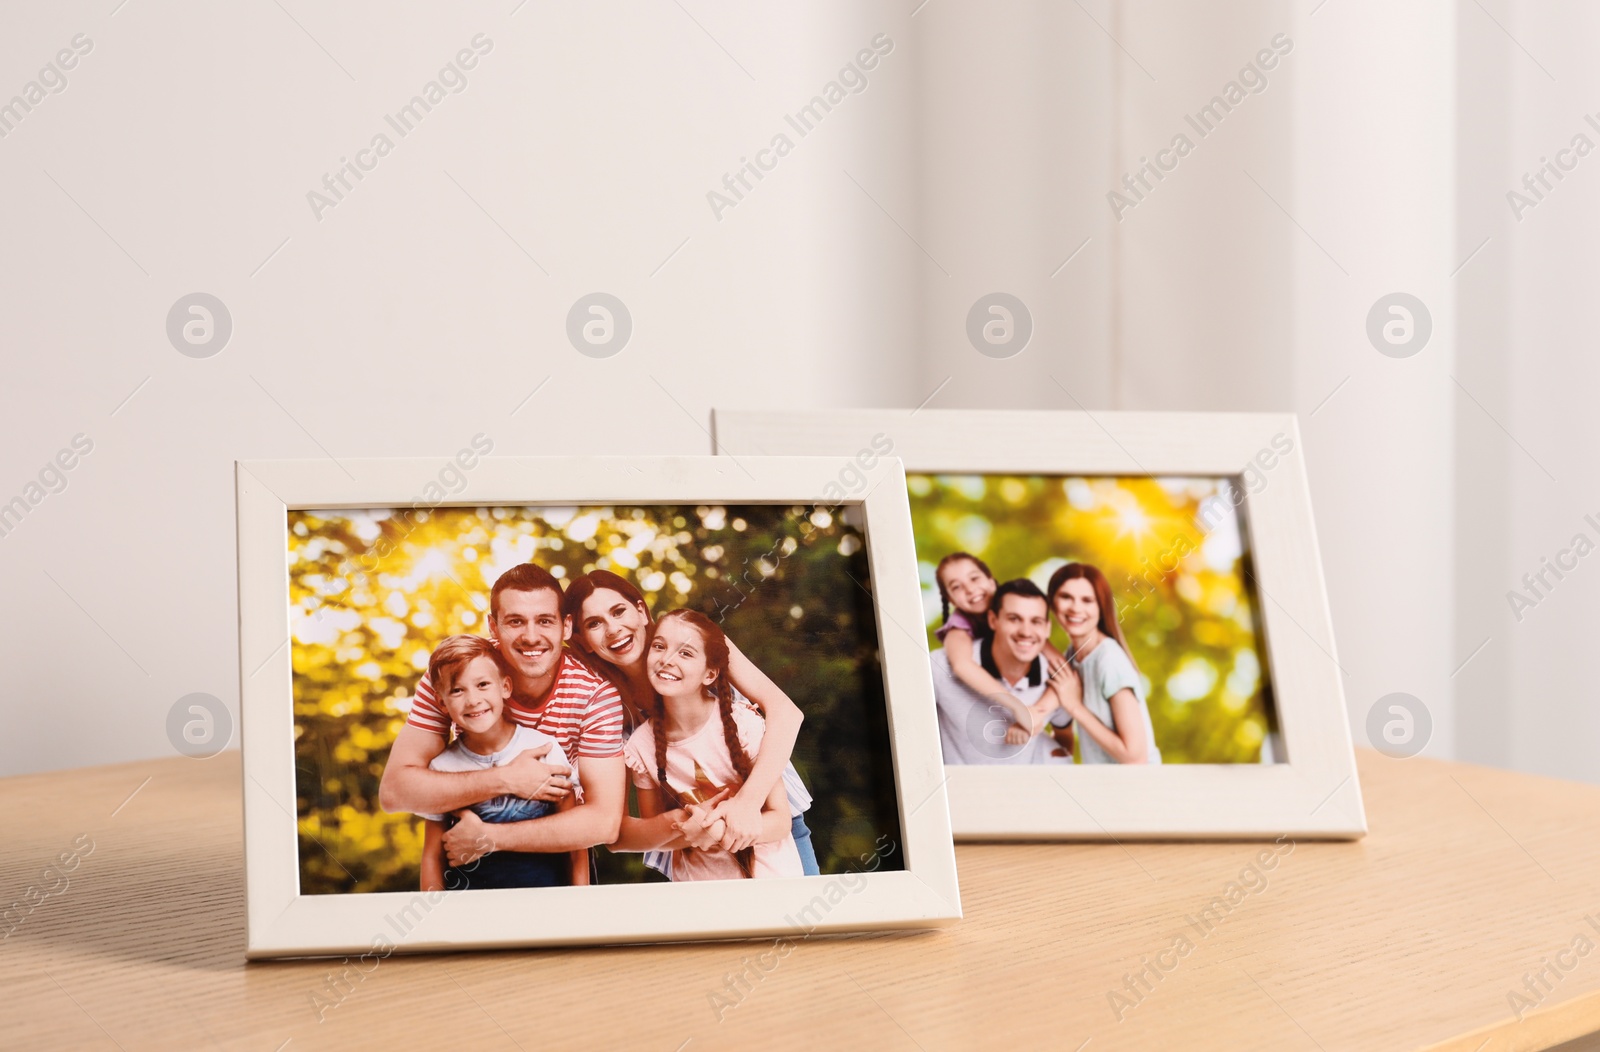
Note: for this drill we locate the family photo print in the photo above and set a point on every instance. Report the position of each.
(682, 707)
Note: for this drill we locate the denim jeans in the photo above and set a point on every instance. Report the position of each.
(802, 840)
(509, 869)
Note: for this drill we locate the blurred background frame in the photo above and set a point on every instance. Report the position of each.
(1312, 791)
(1176, 554)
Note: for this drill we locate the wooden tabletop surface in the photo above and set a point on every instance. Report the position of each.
(1423, 935)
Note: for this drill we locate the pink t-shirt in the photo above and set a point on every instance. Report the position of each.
(709, 749)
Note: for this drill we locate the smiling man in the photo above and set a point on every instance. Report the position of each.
(972, 728)
(553, 692)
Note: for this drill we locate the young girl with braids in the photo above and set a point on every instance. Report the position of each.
(611, 629)
(695, 749)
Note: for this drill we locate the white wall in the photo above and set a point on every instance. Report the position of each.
(1483, 510)
(406, 320)
(1014, 140)
(977, 160)
(1374, 165)
(1548, 403)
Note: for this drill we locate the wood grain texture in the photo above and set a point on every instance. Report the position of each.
(1412, 938)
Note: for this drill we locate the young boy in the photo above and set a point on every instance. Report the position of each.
(473, 685)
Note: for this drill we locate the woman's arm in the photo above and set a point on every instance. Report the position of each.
(775, 821)
(432, 855)
(654, 829)
(775, 824)
(958, 648)
(783, 718)
(1064, 683)
(1127, 745)
(742, 811)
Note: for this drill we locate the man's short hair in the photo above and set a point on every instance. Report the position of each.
(524, 577)
(1020, 586)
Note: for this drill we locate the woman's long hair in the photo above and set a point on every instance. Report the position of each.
(1108, 625)
(577, 593)
(981, 628)
(720, 690)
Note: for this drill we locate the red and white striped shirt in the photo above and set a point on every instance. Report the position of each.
(583, 711)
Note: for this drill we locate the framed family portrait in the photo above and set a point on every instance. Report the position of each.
(498, 701)
(1124, 615)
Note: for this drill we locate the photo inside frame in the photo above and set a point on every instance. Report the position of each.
(1180, 636)
(373, 593)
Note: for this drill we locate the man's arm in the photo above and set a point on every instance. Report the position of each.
(432, 856)
(594, 821)
(409, 786)
(578, 860)
(656, 829)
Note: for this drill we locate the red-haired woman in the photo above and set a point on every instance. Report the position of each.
(1112, 717)
(695, 750)
(611, 628)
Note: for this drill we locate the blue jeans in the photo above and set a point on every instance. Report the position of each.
(509, 869)
(802, 840)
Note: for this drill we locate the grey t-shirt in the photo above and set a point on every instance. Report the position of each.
(972, 728)
(1105, 671)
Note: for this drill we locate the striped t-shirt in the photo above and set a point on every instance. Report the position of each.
(583, 711)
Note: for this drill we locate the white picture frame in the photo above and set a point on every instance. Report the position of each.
(284, 923)
(1315, 794)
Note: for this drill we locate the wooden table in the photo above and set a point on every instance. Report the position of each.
(1413, 938)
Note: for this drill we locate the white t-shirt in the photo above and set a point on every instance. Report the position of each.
(701, 762)
(457, 757)
(972, 728)
(1105, 671)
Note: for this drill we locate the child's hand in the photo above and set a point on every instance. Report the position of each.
(468, 840)
(529, 777)
(1017, 735)
(702, 829)
(697, 829)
